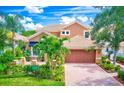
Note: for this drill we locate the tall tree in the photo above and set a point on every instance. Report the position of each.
(12, 23)
(3, 38)
(53, 47)
(108, 28)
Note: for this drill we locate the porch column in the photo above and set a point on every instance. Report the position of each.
(45, 57)
(31, 51)
(98, 55)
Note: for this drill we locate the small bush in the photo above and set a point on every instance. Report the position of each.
(108, 66)
(2, 68)
(32, 69)
(104, 58)
(18, 52)
(117, 68)
(45, 72)
(15, 69)
(119, 58)
(59, 73)
(27, 54)
(6, 57)
(121, 74)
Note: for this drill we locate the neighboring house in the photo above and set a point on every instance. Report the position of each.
(20, 37)
(78, 44)
(121, 49)
(120, 52)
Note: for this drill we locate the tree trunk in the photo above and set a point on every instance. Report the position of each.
(13, 42)
(114, 58)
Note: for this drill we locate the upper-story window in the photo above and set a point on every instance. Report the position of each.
(87, 35)
(65, 32)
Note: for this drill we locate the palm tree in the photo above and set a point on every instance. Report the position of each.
(12, 23)
(3, 38)
(53, 47)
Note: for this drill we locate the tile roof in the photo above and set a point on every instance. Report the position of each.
(58, 27)
(20, 37)
(38, 33)
(78, 42)
(52, 28)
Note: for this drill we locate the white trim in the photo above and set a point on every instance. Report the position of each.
(65, 32)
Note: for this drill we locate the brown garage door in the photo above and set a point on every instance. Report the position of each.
(81, 56)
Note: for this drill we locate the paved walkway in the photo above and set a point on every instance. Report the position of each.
(88, 75)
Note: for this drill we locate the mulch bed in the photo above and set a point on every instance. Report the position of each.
(122, 63)
(118, 79)
(108, 71)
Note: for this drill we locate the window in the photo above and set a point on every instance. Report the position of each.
(65, 32)
(87, 34)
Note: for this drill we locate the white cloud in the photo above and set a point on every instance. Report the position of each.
(11, 14)
(91, 19)
(0, 18)
(82, 18)
(67, 20)
(26, 19)
(37, 26)
(34, 9)
(32, 26)
(28, 24)
(79, 10)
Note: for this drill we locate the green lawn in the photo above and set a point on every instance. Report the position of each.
(28, 81)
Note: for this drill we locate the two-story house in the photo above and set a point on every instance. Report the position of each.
(78, 44)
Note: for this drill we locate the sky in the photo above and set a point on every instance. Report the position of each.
(40, 16)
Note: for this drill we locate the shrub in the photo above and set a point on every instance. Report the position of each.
(108, 65)
(121, 74)
(59, 73)
(6, 57)
(32, 70)
(119, 58)
(27, 54)
(104, 58)
(15, 69)
(45, 72)
(117, 68)
(18, 52)
(2, 68)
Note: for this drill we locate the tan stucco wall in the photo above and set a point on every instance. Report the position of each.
(75, 29)
(56, 33)
(98, 55)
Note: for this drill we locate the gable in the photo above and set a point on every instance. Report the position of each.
(36, 38)
(75, 29)
(76, 23)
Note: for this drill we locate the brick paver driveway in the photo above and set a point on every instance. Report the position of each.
(87, 75)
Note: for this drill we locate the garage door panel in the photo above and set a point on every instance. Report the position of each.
(81, 56)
